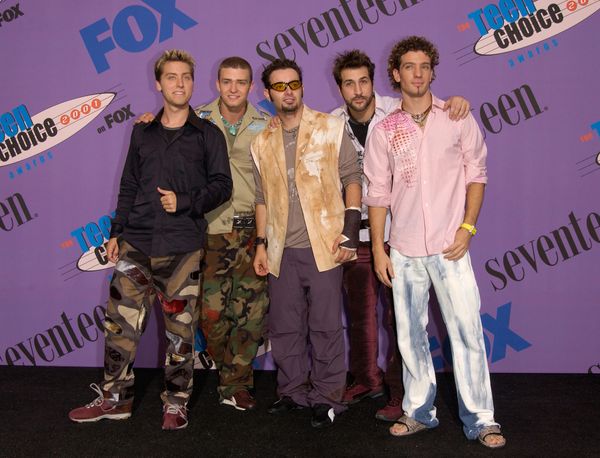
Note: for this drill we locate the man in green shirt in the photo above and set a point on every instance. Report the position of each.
(234, 298)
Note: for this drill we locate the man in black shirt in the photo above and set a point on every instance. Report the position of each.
(177, 169)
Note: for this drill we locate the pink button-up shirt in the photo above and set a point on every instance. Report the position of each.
(422, 176)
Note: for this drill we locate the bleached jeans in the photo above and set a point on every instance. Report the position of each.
(458, 296)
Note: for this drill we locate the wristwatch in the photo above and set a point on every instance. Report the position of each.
(470, 228)
(260, 241)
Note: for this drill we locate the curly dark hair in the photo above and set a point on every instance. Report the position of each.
(412, 43)
(279, 64)
(354, 58)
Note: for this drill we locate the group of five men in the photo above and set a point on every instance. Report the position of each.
(284, 204)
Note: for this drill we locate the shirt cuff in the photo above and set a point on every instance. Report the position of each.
(383, 202)
(183, 202)
(116, 230)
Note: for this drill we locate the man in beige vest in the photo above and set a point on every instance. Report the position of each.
(306, 229)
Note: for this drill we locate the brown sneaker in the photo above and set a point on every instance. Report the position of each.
(357, 392)
(104, 406)
(241, 400)
(392, 411)
(174, 417)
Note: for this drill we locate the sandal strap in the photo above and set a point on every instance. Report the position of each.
(410, 423)
(487, 430)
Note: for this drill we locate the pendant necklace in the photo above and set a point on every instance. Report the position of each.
(421, 117)
(231, 128)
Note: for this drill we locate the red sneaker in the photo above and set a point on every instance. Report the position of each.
(174, 417)
(241, 400)
(104, 406)
(357, 392)
(392, 411)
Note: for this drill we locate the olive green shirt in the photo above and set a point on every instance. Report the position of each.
(220, 220)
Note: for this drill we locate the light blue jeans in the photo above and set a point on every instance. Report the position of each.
(458, 296)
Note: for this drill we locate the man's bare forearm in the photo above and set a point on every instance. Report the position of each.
(261, 220)
(474, 201)
(377, 217)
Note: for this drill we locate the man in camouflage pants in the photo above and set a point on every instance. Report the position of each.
(234, 298)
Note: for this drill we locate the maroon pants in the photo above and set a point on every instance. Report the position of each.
(305, 329)
(363, 290)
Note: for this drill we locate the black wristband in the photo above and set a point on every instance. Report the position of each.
(351, 229)
(260, 241)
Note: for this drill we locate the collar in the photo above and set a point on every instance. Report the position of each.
(192, 119)
(436, 103)
(213, 107)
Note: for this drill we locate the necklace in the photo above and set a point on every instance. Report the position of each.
(361, 123)
(420, 118)
(293, 132)
(231, 128)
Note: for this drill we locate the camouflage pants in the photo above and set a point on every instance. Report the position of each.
(137, 280)
(233, 308)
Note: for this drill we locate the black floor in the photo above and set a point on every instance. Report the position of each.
(542, 416)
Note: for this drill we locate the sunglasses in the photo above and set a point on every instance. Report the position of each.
(281, 86)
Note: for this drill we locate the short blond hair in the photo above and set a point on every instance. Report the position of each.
(173, 55)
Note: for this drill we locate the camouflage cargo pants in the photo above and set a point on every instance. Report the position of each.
(234, 304)
(137, 281)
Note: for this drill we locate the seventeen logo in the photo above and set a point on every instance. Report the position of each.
(14, 211)
(10, 14)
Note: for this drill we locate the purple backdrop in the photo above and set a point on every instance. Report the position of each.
(75, 74)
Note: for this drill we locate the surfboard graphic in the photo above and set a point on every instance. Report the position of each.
(67, 118)
(488, 46)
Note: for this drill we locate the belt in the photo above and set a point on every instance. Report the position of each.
(364, 223)
(244, 222)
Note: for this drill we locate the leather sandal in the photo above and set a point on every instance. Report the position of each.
(491, 430)
(412, 426)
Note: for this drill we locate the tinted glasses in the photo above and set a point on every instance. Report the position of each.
(281, 86)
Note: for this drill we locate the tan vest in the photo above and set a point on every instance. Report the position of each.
(317, 181)
(220, 220)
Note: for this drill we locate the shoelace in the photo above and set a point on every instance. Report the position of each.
(175, 409)
(99, 400)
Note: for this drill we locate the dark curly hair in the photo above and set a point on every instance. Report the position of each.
(412, 43)
(354, 58)
(279, 64)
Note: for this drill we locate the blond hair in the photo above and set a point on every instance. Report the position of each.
(173, 55)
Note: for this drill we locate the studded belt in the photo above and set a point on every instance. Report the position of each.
(244, 222)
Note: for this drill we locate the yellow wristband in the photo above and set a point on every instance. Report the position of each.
(470, 228)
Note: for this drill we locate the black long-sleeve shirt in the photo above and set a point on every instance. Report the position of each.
(193, 164)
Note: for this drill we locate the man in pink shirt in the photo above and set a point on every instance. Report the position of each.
(430, 172)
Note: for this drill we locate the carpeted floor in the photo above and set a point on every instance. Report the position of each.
(542, 416)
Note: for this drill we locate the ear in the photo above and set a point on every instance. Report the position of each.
(218, 85)
(396, 74)
(267, 95)
(158, 86)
